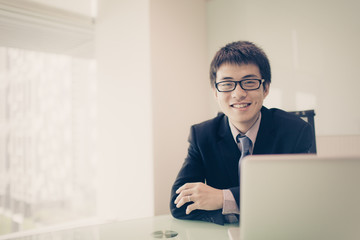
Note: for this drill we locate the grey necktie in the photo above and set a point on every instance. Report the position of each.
(245, 145)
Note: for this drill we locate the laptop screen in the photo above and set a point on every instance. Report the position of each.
(299, 197)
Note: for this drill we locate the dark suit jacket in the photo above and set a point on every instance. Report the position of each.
(213, 155)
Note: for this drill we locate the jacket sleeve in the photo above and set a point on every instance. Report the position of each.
(236, 193)
(193, 170)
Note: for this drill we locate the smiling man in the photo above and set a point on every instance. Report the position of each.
(207, 186)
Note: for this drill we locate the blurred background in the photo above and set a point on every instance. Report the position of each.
(97, 96)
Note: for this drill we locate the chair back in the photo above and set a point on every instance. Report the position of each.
(308, 116)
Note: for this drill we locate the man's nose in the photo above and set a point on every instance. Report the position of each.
(238, 91)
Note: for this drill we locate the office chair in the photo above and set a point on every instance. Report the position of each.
(308, 116)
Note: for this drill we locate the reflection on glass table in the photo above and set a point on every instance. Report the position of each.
(159, 227)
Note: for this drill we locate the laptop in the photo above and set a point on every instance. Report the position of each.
(297, 197)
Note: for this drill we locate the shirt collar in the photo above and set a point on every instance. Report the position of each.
(251, 133)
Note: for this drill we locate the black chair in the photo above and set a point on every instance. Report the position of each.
(308, 116)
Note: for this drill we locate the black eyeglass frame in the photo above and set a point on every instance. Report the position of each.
(261, 81)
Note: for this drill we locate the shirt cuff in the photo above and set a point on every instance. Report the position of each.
(229, 206)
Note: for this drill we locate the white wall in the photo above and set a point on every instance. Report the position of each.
(180, 86)
(338, 145)
(313, 49)
(153, 85)
(124, 110)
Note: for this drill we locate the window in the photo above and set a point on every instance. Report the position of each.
(47, 118)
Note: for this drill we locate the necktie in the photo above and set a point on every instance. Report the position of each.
(245, 145)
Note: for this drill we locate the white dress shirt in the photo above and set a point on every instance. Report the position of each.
(229, 206)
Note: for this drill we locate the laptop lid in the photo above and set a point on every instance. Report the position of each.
(299, 197)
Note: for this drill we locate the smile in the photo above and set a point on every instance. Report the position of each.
(240, 106)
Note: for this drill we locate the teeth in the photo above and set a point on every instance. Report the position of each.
(241, 105)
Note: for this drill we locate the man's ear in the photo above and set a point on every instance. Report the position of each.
(215, 92)
(266, 89)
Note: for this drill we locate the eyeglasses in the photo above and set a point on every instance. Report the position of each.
(247, 84)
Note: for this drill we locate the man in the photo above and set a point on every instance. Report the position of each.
(207, 186)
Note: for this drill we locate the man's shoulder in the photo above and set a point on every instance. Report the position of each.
(211, 126)
(211, 123)
(288, 132)
(209, 130)
(282, 118)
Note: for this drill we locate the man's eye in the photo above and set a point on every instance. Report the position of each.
(250, 82)
(227, 84)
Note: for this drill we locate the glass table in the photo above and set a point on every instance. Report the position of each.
(159, 227)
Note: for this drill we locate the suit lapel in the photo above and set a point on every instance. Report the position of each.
(229, 151)
(263, 139)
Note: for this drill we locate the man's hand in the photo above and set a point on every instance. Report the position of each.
(203, 197)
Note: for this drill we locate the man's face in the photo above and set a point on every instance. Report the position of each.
(242, 107)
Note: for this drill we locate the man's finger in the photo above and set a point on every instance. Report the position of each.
(181, 188)
(182, 201)
(178, 198)
(184, 193)
(179, 201)
(190, 208)
(184, 187)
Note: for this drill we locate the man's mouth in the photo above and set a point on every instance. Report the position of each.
(240, 105)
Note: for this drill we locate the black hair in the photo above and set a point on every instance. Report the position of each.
(241, 52)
